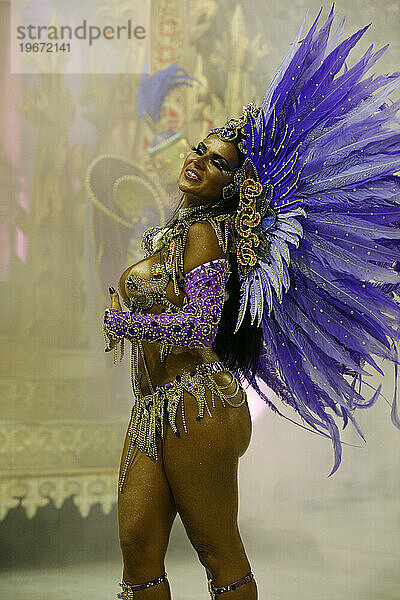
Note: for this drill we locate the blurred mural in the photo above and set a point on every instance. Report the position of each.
(83, 172)
(100, 169)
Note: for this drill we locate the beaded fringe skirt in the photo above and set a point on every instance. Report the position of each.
(147, 415)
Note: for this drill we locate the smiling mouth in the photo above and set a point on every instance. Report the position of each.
(191, 175)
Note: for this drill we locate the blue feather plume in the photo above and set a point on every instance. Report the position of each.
(153, 89)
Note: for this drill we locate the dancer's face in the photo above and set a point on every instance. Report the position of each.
(207, 169)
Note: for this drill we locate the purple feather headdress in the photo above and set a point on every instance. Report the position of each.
(317, 232)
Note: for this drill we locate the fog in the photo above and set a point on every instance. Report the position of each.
(78, 187)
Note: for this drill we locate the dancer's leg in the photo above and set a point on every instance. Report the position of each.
(146, 511)
(201, 468)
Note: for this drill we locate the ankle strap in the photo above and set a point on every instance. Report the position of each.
(228, 588)
(128, 590)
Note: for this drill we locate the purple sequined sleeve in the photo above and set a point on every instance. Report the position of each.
(195, 326)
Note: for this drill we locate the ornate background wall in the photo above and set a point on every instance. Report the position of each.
(68, 230)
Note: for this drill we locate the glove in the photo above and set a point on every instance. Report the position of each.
(195, 326)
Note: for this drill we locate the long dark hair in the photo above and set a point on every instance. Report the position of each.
(239, 351)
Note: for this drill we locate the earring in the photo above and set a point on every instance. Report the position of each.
(228, 191)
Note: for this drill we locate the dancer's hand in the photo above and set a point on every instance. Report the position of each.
(115, 303)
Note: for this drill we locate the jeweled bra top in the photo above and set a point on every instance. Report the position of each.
(151, 292)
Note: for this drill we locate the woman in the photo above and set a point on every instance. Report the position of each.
(290, 229)
(196, 474)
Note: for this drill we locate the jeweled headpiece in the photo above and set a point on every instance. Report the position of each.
(254, 218)
(236, 128)
(246, 184)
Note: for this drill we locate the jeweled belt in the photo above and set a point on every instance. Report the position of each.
(147, 416)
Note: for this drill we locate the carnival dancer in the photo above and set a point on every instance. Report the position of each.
(280, 267)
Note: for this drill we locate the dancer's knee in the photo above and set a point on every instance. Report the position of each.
(133, 543)
(143, 554)
(218, 559)
(206, 552)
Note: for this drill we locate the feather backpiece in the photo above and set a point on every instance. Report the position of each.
(322, 261)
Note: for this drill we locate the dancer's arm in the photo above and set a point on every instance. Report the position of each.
(206, 271)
